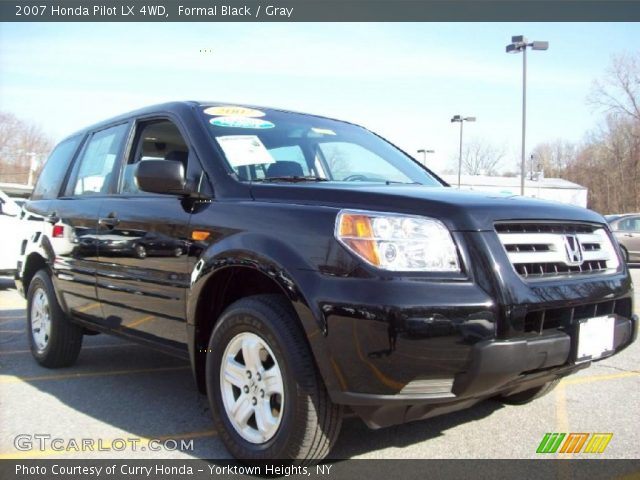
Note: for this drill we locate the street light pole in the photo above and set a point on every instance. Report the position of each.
(460, 156)
(424, 152)
(32, 167)
(520, 44)
(524, 117)
(461, 119)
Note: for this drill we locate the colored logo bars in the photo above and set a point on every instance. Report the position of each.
(573, 442)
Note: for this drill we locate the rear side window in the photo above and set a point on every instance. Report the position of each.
(55, 169)
(95, 168)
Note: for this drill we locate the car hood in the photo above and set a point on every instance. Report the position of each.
(459, 210)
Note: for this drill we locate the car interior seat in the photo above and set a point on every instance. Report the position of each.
(285, 169)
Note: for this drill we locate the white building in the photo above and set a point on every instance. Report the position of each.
(556, 189)
(16, 189)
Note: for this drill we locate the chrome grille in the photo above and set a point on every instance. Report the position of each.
(552, 249)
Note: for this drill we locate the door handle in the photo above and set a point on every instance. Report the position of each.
(109, 221)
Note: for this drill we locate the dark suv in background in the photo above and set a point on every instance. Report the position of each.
(306, 266)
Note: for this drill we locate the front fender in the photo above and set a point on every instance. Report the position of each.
(284, 266)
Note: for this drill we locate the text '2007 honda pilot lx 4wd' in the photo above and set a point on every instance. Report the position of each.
(304, 266)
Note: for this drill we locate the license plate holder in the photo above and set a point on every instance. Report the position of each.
(595, 338)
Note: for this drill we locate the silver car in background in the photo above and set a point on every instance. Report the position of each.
(626, 228)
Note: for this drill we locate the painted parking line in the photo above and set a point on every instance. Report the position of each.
(139, 321)
(10, 304)
(562, 416)
(599, 378)
(12, 331)
(5, 379)
(89, 306)
(142, 444)
(88, 347)
(13, 317)
(14, 322)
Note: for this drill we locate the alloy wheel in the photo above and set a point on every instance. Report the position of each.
(40, 319)
(252, 388)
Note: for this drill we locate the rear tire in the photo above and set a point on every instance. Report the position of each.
(55, 341)
(527, 396)
(303, 423)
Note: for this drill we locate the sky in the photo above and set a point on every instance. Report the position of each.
(402, 80)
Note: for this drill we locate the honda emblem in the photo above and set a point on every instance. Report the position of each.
(574, 250)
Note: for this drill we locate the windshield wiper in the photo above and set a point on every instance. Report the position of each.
(395, 182)
(292, 179)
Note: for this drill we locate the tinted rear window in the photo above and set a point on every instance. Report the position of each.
(55, 169)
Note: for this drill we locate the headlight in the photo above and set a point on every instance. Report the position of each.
(398, 242)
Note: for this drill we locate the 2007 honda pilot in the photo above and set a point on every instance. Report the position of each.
(305, 266)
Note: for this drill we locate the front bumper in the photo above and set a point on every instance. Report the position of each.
(496, 367)
(499, 364)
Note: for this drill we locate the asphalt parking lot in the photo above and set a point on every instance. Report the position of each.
(119, 390)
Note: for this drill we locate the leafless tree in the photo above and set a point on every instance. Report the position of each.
(614, 151)
(23, 145)
(481, 158)
(618, 92)
(552, 158)
(607, 162)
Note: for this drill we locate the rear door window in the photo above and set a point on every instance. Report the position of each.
(94, 171)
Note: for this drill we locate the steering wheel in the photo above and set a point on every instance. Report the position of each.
(355, 178)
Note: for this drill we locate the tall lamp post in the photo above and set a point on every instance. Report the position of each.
(424, 155)
(461, 119)
(520, 44)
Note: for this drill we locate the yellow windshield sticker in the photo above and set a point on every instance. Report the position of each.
(233, 111)
(323, 131)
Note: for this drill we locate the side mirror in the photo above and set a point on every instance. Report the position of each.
(161, 176)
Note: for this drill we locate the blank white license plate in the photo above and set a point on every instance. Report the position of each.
(595, 337)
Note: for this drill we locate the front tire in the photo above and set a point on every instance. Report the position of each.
(267, 397)
(55, 341)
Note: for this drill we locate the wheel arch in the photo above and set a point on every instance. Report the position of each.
(32, 264)
(223, 276)
(625, 253)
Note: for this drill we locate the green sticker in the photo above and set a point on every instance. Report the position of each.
(241, 122)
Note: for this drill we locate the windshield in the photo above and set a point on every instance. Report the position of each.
(271, 146)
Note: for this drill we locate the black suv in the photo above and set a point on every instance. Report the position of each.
(306, 266)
